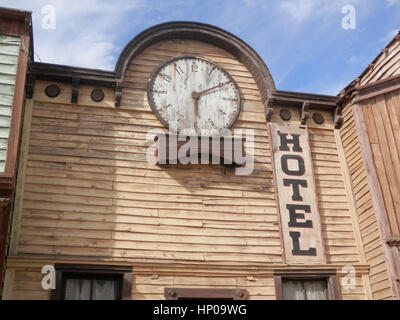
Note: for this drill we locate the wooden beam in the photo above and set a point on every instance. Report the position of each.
(317, 101)
(191, 293)
(17, 109)
(338, 118)
(118, 94)
(75, 90)
(8, 284)
(4, 227)
(269, 110)
(304, 113)
(19, 191)
(177, 268)
(377, 88)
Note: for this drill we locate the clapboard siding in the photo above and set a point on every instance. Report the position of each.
(87, 166)
(367, 223)
(9, 52)
(24, 279)
(90, 194)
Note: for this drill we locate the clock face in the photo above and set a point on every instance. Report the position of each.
(192, 95)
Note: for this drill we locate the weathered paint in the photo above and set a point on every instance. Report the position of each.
(9, 51)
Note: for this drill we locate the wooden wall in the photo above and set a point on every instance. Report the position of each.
(363, 206)
(9, 53)
(382, 119)
(90, 195)
(23, 280)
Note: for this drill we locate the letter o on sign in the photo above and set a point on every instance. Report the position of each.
(285, 167)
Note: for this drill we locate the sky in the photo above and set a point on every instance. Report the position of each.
(313, 46)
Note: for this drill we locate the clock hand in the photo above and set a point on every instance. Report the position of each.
(196, 95)
(196, 108)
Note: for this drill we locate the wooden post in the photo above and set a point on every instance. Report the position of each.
(4, 226)
(19, 191)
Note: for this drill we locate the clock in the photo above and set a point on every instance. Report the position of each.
(194, 96)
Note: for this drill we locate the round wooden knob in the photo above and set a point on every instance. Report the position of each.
(52, 90)
(97, 95)
(285, 114)
(318, 118)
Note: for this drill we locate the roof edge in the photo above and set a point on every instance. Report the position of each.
(352, 86)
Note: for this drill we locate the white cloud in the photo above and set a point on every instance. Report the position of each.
(301, 10)
(392, 2)
(298, 9)
(354, 59)
(85, 31)
(333, 89)
(90, 51)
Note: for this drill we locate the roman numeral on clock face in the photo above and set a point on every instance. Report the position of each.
(194, 92)
(166, 77)
(178, 69)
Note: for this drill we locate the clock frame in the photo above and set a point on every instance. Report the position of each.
(230, 81)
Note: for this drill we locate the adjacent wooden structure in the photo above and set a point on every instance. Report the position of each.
(87, 200)
(15, 52)
(370, 133)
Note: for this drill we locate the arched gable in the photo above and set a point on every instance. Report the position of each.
(201, 32)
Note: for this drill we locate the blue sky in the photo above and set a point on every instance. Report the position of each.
(301, 41)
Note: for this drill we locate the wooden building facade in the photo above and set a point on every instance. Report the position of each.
(90, 204)
(16, 51)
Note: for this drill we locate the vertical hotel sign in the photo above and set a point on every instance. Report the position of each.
(296, 194)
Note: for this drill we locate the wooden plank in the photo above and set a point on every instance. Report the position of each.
(353, 210)
(17, 109)
(384, 166)
(8, 284)
(391, 104)
(19, 191)
(9, 52)
(376, 193)
(391, 155)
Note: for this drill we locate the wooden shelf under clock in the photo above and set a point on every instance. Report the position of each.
(223, 152)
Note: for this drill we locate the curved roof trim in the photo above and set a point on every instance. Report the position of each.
(200, 32)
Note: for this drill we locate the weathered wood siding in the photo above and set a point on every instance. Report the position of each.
(9, 52)
(23, 280)
(90, 195)
(367, 222)
(382, 119)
